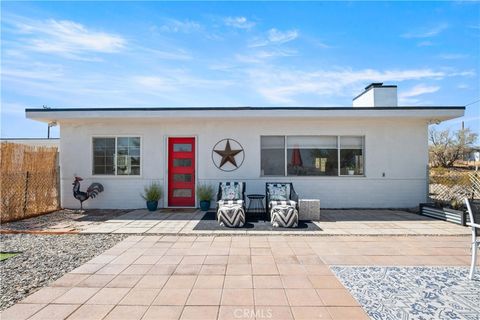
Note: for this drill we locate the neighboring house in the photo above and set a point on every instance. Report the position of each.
(371, 155)
(34, 142)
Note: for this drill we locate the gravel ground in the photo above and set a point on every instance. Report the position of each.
(44, 259)
(64, 219)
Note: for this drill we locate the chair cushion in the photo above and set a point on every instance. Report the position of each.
(229, 202)
(284, 216)
(232, 216)
(274, 203)
(231, 191)
(279, 191)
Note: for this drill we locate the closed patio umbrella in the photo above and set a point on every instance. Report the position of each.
(296, 158)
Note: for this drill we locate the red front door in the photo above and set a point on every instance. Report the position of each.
(181, 172)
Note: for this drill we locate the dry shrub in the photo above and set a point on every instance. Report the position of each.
(448, 187)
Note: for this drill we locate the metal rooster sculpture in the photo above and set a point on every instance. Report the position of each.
(92, 191)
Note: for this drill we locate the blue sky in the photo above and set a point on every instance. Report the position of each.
(113, 54)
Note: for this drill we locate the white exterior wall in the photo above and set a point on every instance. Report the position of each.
(377, 97)
(367, 99)
(385, 97)
(397, 148)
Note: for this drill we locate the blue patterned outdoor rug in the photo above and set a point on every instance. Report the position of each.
(413, 292)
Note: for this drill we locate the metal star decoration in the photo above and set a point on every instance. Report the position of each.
(228, 155)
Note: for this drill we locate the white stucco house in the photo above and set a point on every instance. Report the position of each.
(369, 155)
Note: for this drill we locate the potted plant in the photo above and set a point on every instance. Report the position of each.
(152, 194)
(205, 193)
(351, 170)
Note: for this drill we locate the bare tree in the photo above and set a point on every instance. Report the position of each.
(446, 147)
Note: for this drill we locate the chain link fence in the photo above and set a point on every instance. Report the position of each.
(29, 183)
(449, 187)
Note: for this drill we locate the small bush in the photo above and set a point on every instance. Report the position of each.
(205, 192)
(152, 192)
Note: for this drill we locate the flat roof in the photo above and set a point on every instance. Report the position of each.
(239, 108)
(436, 113)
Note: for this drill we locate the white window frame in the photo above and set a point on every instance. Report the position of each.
(284, 154)
(115, 156)
(338, 137)
(339, 147)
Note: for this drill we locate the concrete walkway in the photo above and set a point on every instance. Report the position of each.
(223, 277)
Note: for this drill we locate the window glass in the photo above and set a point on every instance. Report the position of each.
(272, 156)
(182, 147)
(312, 156)
(103, 156)
(182, 162)
(182, 177)
(127, 151)
(128, 156)
(351, 155)
(182, 193)
(312, 142)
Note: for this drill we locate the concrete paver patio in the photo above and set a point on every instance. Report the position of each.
(183, 222)
(228, 277)
(332, 222)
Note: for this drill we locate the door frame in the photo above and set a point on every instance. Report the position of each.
(166, 162)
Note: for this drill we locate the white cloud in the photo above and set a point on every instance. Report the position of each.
(468, 73)
(239, 22)
(261, 55)
(286, 85)
(426, 33)
(34, 71)
(176, 80)
(184, 26)
(418, 90)
(64, 37)
(170, 53)
(275, 37)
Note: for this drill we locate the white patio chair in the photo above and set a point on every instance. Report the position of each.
(474, 214)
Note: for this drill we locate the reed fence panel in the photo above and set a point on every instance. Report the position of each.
(29, 184)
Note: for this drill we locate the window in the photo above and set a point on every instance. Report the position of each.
(312, 155)
(182, 162)
(103, 155)
(116, 156)
(128, 156)
(351, 155)
(182, 147)
(272, 156)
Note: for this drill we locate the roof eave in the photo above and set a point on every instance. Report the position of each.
(433, 113)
